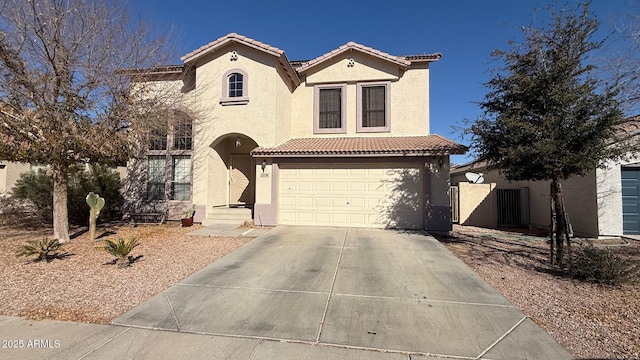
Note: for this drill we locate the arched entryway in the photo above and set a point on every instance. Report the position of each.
(233, 151)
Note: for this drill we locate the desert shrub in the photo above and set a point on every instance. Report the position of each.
(46, 249)
(600, 265)
(121, 250)
(101, 180)
(37, 188)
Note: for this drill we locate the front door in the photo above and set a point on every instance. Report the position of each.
(241, 180)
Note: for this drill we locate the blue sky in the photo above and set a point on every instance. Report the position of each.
(464, 31)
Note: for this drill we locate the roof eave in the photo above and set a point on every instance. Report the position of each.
(303, 154)
(168, 70)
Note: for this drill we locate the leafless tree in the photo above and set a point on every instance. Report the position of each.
(622, 57)
(63, 97)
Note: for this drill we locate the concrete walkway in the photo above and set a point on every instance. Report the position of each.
(311, 293)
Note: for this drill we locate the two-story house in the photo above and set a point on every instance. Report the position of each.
(340, 140)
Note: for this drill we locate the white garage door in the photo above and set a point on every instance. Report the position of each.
(351, 195)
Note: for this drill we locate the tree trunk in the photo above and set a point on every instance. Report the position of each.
(552, 227)
(60, 215)
(565, 217)
(559, 227)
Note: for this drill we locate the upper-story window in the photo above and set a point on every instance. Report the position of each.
(183, 133)
(373, 107)
(235, 85)
(329, 108)
(158, 139)
(235, 89)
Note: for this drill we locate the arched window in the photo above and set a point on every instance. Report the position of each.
(235, 85)
(235, 89)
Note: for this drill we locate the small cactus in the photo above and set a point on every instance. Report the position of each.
(96, 203)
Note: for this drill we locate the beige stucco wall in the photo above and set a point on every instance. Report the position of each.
(438, 209)
(477, 204)
(365, 68)
(278, 111)
(409, 91)
(580, 195)
(609, 184)
(263, 119)
(9, 174)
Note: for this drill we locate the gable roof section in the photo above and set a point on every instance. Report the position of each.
(363, 146)
(255, 44)
(628, 128)
(402, 61)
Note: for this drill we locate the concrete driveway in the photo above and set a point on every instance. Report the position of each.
(374, 291)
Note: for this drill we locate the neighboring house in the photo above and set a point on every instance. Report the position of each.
(604, 202)
(340, 140)
(9, 174)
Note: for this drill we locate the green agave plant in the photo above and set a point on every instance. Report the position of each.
(121, 250)
(46, 249)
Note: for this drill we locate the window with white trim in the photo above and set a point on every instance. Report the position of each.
(373, 107)
(235, 89)
(329, 108)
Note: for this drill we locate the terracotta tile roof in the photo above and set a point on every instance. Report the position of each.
(364, 146)
(156, 70)
(354, 46)
(423, 57)
(233, 37)
(230, 38)
(472, 166)
(628, 128)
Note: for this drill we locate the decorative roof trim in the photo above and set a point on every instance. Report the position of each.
(249, 42)
(400, 61)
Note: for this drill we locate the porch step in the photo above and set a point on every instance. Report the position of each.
(227, 216)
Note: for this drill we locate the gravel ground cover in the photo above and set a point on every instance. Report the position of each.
(592, 321)
(85, 286)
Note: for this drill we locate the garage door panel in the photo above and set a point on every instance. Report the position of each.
(323, 202)
(288, 217)
(340, 202)
(358, 186)
(322, 186)
(358, 203)
(304, 201)
(321, 218)
(339, 218)
(340, 186)
(351, 195)
(288, 201)
(358, 219)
